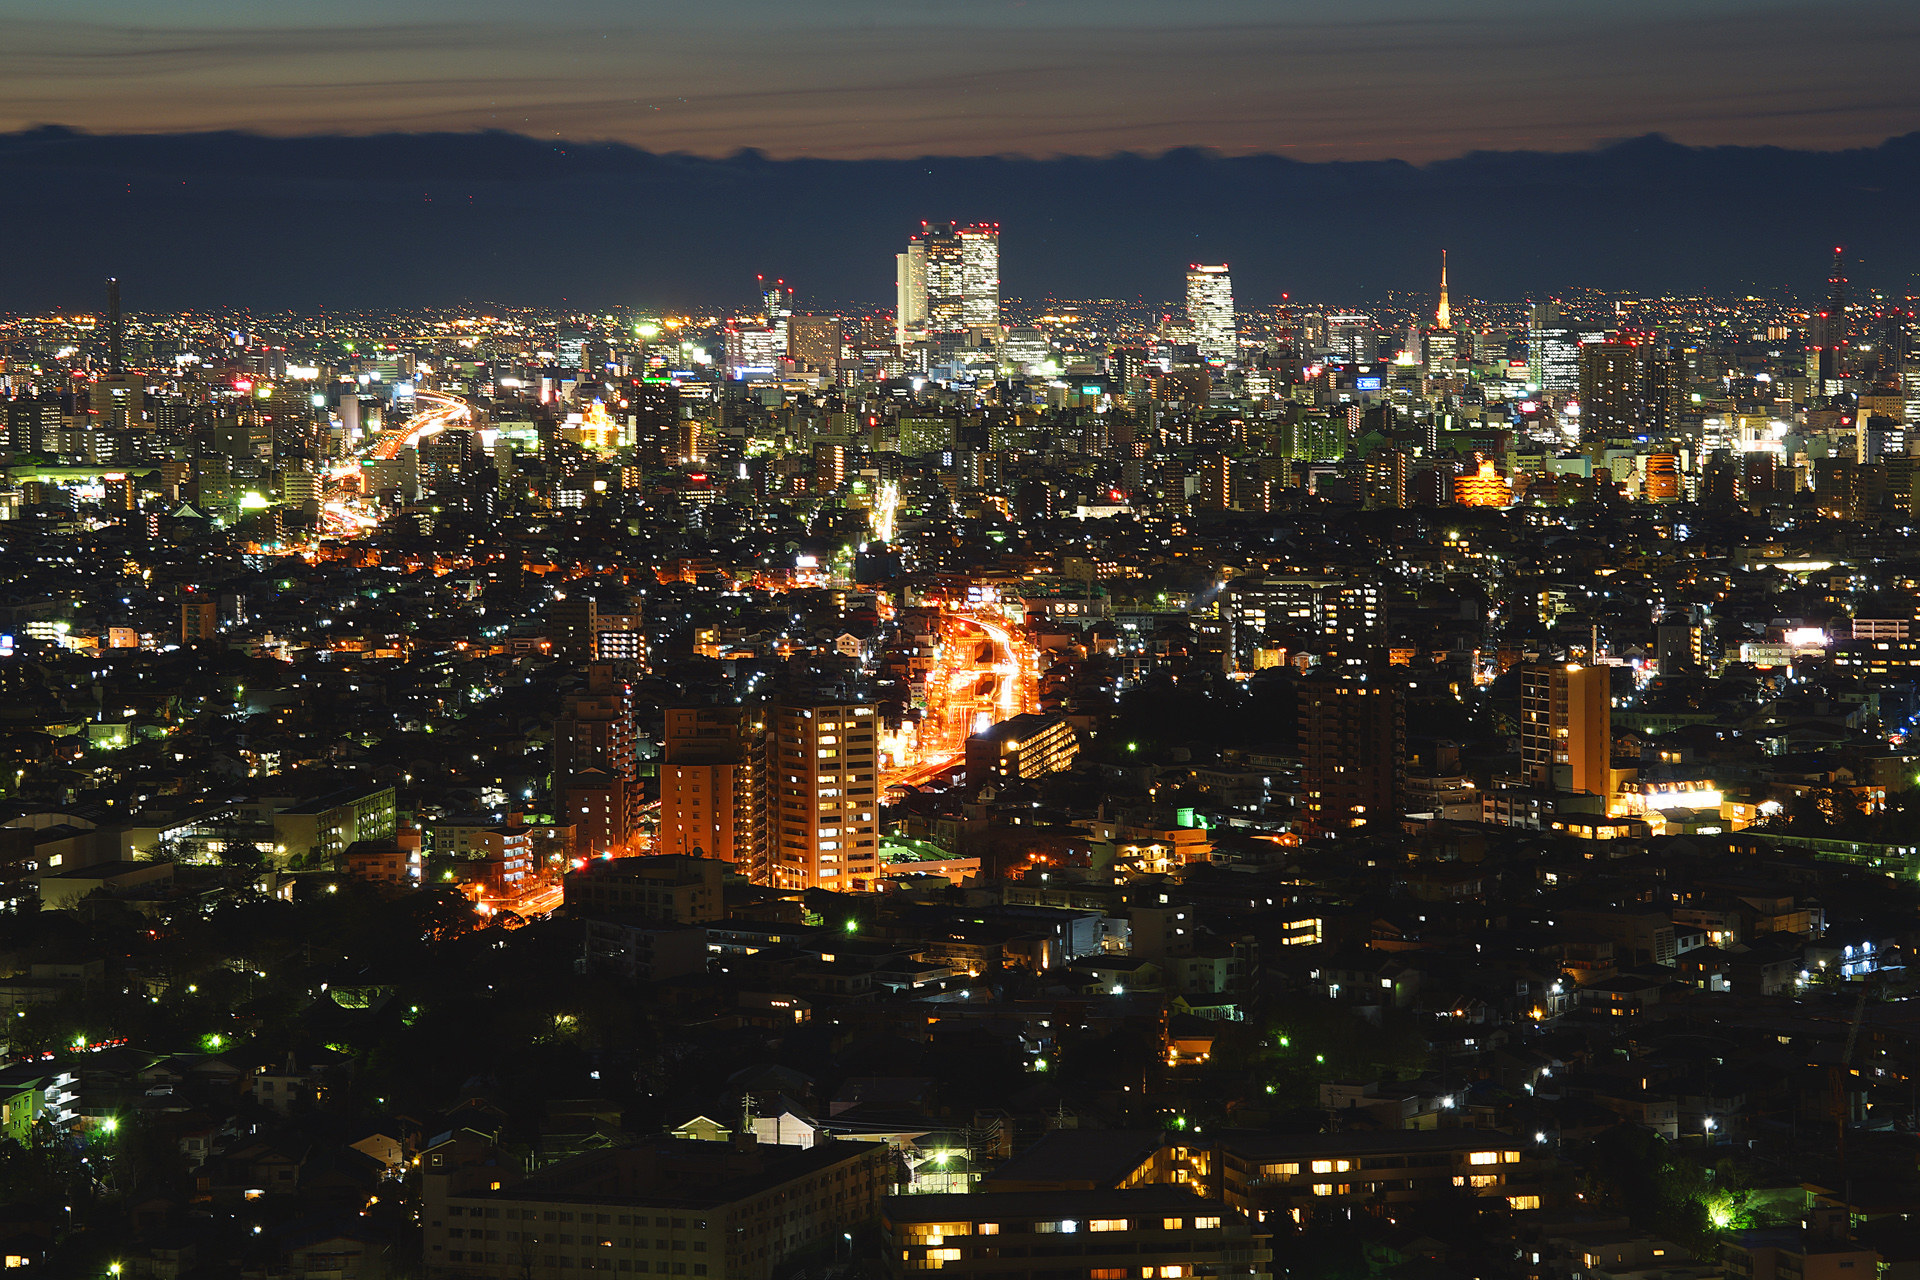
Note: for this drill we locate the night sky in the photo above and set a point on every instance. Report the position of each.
(1357, 79)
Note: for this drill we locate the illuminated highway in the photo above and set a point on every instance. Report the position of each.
(342, 514)
(964, 691)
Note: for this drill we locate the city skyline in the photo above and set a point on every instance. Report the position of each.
(435, 219)
(1036, 639)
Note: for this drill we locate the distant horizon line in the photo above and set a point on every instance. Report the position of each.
(752, 153)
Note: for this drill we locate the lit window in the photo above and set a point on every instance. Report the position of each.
(1205, 1224)
(1107, 1224)
(1172, 1224)
(1484, 1157)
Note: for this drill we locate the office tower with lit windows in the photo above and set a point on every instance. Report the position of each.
(823, 829)
(1553, 350)
(948, 282)
(1663, 386)
(980, 279)
(910, 293)
(1339, 612)
(712, 786)
(1353, 749)
(1612, 391)
(1566, 727)
(945, 272)
(1628, 391)
(1210, 311)
(814, 341)
(776, 301)
(1350, 338)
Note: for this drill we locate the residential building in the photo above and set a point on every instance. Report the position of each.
(1026, 746)
(823, 823)
(668, 1207)
(1144, 1231)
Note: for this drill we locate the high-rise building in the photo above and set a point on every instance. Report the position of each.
(946, 300)
(776, 301)
(1566, 726)
(595, 729)
(1662, 482)
(1210, 311)
(117, 399)
(600, 807)
(1350, 338)
(1344, 613)
(596, 762)
(948, 281)
(823, 799)
(577, 628)
(1628, 391)
(1828, 333)
(815, 341)
(712, 786)
(653, 417)
(753, 349)
(1353, 748)
(199, 620)
(1612, 390)
(1553, 359)
(910, 293)
(1663, 385)
(980, 279)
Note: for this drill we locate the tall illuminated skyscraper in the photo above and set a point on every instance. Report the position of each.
(980, 278)
(1210, 311)
(910, 293)
(1828, 333)
(948, 281)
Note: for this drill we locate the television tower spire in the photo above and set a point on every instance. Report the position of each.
(1443, 316)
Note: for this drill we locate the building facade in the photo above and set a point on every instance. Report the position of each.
(823, 798)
